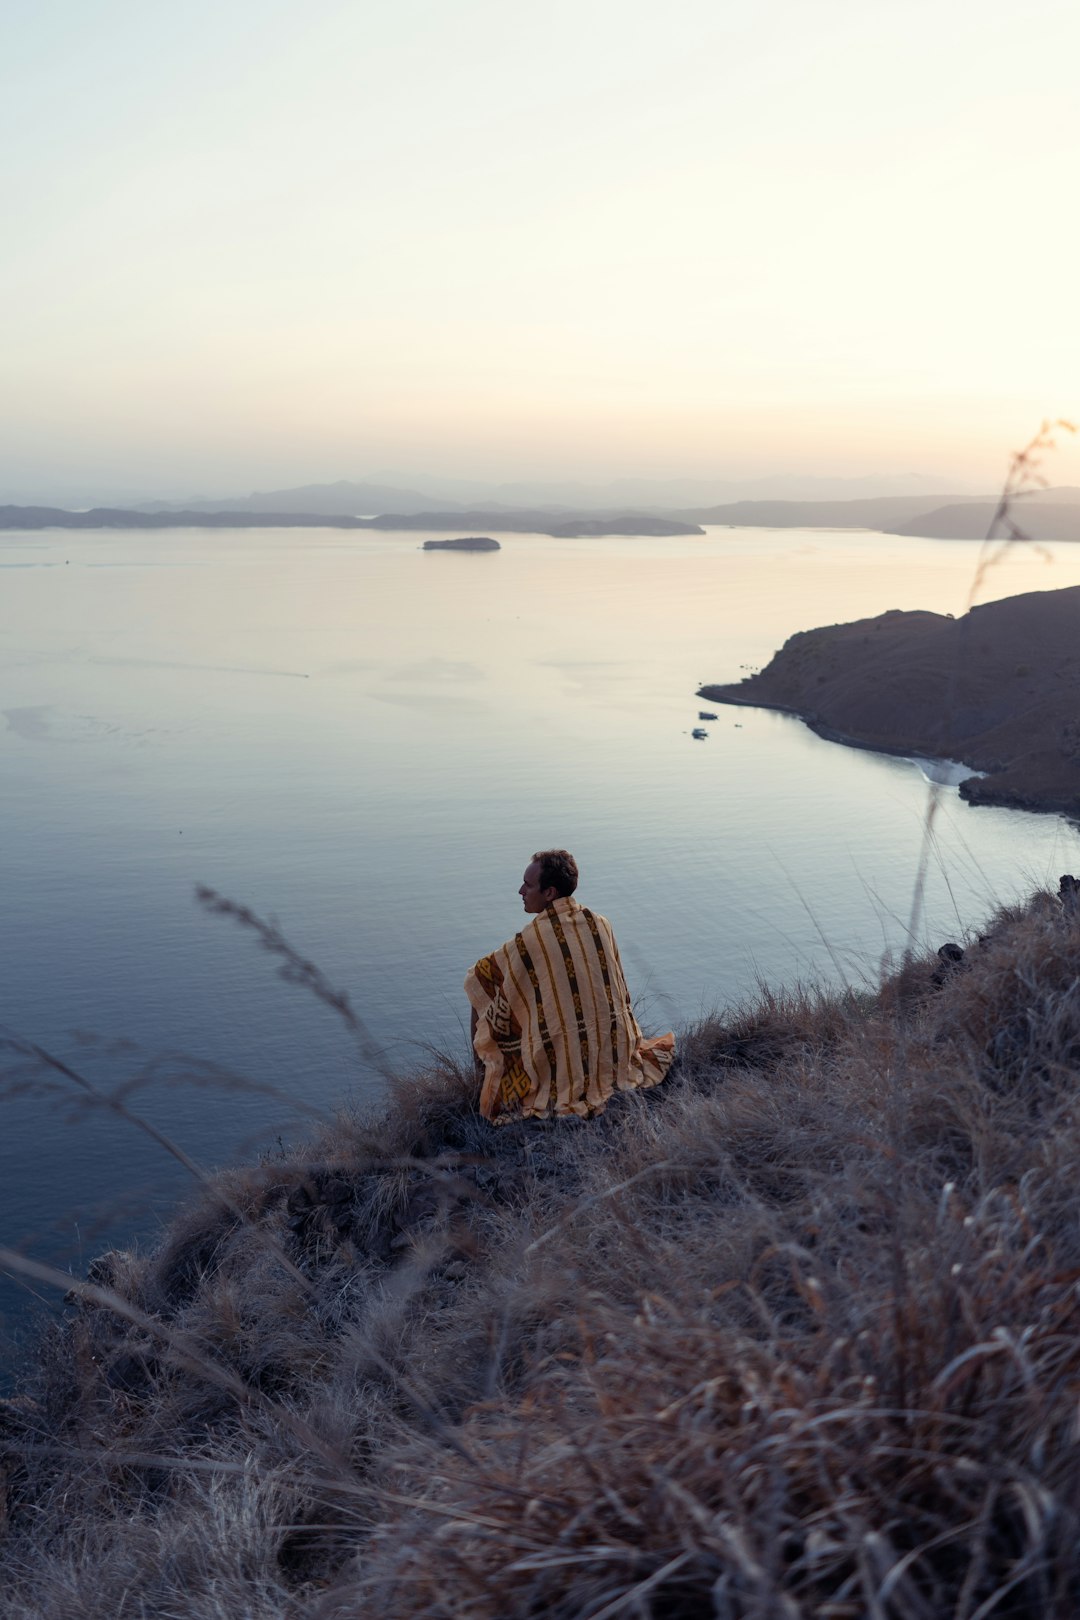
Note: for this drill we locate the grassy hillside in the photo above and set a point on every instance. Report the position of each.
(798, 1333)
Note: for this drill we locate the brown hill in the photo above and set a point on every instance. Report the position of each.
(998, 689)
(1043, 514)
(1039, 520)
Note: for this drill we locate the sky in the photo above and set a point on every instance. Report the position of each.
(253, 243)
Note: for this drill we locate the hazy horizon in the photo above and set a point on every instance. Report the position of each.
(673, 492)
(255, 247)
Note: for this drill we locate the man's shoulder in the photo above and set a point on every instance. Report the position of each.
(573, 915)
(587, 921)
(590, 915)
(543, 923)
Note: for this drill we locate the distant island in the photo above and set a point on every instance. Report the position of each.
(560, 528)
(117, 517)
(475, 542)
(997, 690)
(362, 497)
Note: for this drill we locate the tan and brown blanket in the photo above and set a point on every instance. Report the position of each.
(556, 1031)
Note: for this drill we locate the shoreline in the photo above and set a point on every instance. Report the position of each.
(999, 799)
(997, 690)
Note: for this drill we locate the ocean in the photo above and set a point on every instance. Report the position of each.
(362, 743)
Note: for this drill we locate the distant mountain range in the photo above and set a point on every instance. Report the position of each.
(343, 499)
(662, 494)
(1050, 514)
(370, 497)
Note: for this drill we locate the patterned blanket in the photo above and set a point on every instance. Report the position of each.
(556, 1031)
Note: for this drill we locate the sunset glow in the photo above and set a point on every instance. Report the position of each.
(262, 244)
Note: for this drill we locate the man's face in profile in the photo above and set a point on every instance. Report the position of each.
(533, 898)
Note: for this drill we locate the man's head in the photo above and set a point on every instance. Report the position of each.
(551, 875)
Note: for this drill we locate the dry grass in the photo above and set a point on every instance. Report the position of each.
(796, 1334)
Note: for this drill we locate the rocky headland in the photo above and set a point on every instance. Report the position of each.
(997, 690)
(970, 520)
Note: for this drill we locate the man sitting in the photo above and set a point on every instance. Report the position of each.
(552, 1024)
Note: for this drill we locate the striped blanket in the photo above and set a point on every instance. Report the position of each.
(556, 1032)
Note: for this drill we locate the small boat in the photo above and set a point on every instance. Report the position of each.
(703, 714)
(699, 732)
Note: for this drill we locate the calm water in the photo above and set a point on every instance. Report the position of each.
(365, 742)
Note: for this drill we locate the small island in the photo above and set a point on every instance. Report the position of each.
(473, 542)
(998, 690)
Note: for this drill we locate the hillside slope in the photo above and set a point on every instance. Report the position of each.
(795, 1334)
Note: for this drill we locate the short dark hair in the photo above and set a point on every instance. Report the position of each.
(558, 871)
